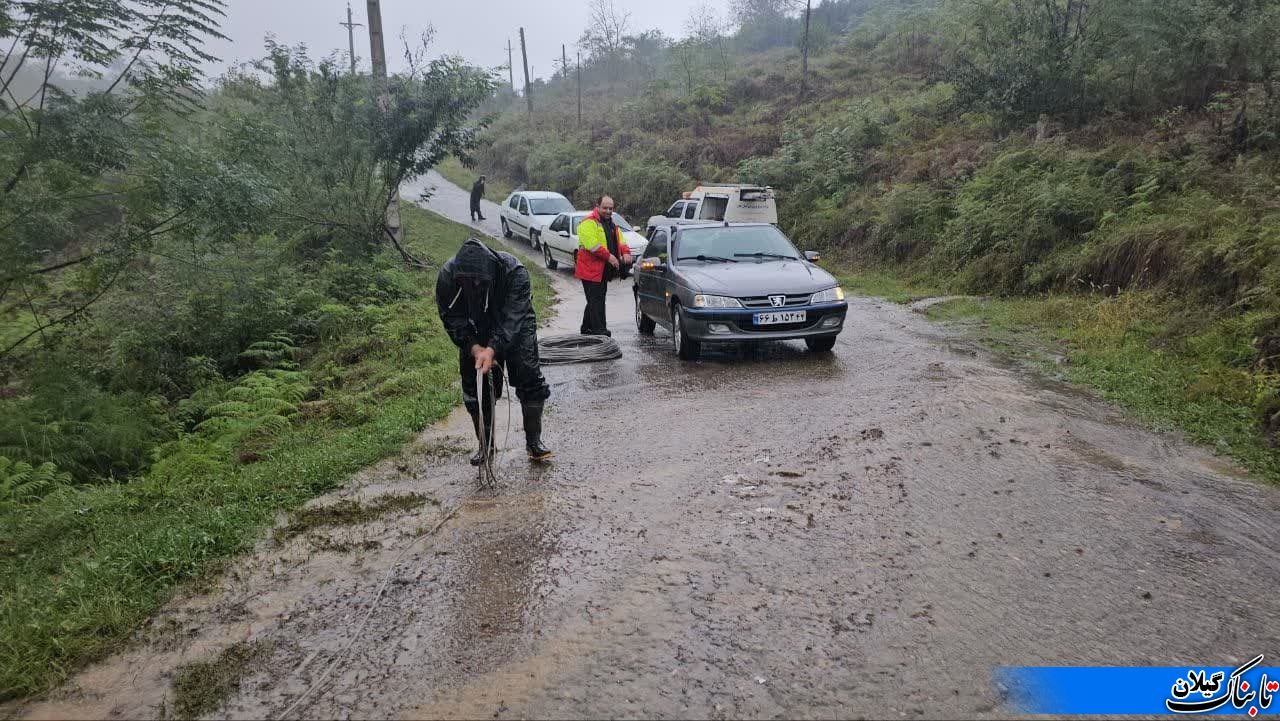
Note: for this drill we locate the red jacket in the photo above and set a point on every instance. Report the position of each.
(593, 252)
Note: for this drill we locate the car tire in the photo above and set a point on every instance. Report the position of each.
(820, 345)
(547, 260)
(506, 229)
(644, 323)
(535, 239)
(685, 348)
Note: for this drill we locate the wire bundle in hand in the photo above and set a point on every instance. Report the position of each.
(560, 349)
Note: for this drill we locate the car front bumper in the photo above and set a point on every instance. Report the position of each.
(735, 325)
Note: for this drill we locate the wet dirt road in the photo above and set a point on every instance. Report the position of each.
(769, 533)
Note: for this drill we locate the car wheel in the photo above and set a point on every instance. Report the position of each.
(644, 323)
(547, 260)
(506, 229)
(685, 348)
(535, 239)
(820, 345)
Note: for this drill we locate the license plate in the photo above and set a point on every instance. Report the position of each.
(786, 316)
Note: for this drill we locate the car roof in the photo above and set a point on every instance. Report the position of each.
(681, 227)
(538, 194)
(585, 213)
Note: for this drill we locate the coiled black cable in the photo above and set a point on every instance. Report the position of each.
(561, 349)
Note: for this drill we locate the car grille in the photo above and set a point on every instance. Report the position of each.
(748, 327)
(762, 301)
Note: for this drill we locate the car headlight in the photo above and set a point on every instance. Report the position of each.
(830, 295)
(715, 301)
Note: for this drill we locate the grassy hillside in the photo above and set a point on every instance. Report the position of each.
(82, 566)
(995, 150)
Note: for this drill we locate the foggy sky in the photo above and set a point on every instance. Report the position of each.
(476, 29)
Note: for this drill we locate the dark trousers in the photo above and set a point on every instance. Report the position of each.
(475, 210)
(593, 322)
(522, 365)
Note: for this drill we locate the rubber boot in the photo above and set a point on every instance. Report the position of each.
(532, 413)
(477, 457)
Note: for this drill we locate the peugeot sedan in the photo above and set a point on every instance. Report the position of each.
(735, 282)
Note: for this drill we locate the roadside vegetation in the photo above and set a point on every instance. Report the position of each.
(1119, 161)
(204, 321)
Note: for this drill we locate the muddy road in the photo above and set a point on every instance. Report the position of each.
(763, 533)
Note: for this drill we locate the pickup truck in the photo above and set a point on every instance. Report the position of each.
(720, 203)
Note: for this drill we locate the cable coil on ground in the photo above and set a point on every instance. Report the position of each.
(560, 349)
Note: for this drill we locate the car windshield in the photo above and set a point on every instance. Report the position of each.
(621, 222)
(765, 241)
(550, 206)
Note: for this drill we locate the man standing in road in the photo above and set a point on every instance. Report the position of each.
(477, 192)
(600, 257)
(486, 304)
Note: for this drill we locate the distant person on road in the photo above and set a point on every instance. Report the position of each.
(477, 192)
(601, 255)
(486, 304)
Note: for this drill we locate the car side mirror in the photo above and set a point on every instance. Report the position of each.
(653, 264)
(812, 256)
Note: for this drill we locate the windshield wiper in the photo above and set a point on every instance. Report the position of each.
(716, 258)
(765, 255)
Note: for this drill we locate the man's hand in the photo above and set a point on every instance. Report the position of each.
(483, 357)
(613, 260)
(626, 259)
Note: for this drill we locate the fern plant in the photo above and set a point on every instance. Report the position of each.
(255, 408)
(277, 352)
(23, 484)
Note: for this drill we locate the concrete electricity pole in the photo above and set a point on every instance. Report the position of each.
(579, 88)
(378, 58)
(564, 62)
(351, 37)
(528, 90)
(804, 61)
(511, 69)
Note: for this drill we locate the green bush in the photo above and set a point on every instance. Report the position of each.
(93, 435)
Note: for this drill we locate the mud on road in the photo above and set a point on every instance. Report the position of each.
(767, 532)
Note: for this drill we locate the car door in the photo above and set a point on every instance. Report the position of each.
(524, 217)
(511, 210)
(558, 240)
(651, 284)
(574, 222)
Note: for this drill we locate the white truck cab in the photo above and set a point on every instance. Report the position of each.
(721, 202)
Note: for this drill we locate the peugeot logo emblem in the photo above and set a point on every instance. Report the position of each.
(777, 301)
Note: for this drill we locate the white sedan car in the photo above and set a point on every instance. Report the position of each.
(561, 241)
(527, 213)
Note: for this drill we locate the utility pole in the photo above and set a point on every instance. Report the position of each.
(351, 37)
(564, 61)
(378, 58)
(528, 90)
(377, 51)
(579, 88)
(511, 69)
(804, 61)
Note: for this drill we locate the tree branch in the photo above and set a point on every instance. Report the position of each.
(141, 46)
(35, 316)
(408, 257)
(40, 330)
